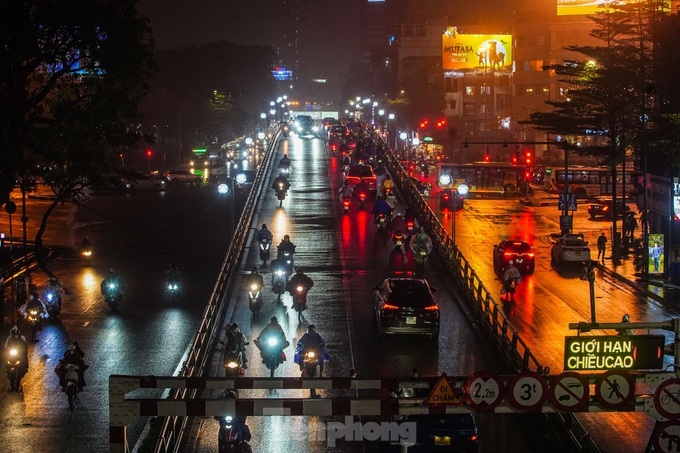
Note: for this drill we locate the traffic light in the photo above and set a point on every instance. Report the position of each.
(527, 175)
(528, 158)
(149, 153)
(515, 159)
(487, 157)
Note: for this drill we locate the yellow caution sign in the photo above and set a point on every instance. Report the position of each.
(442, 393)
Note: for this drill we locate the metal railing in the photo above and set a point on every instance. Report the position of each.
(507, 340)
(172, 431)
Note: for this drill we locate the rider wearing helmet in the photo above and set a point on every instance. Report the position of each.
(284, 162)
(311, 341)
(421, 239)
(381, 206)
(173, 274)
(74, 356)
(299, 279)
(18, 342)
(273, 329)
(345, 191)
(398, 223)
(55, 290)
(511, 273)
(264, 234)
(111, 279)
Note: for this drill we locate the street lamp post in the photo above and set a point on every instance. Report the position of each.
(230, 192)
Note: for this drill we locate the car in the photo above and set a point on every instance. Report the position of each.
(356, 172)
(406, 305)
(305, 126)
(520, 252)
(145, 181)
(108, 183)
(570, 248)
(450, 198)
(338, 131)
(182, 176)
(445, 432)
(604, 208)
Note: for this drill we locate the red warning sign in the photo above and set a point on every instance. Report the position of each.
(442, 393)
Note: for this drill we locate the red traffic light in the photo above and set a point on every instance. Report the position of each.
(149, 153)
(528, 157)
(487, 158)
(514, 160)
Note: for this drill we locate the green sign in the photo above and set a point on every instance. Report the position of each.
(615, 352)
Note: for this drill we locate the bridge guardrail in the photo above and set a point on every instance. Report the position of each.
(476, 294)
(173, 428)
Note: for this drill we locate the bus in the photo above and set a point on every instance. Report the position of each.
(585, 182)
(482, 177)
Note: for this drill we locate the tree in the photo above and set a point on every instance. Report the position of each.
(604, 106)
(72, 77)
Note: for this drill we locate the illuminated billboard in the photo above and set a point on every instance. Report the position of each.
(582, 7)
(488, 52)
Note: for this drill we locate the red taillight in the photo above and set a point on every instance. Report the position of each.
(605, 208)
(531, 255)
(345, 202)
(508, 254)
(390, 307)
(432, 308)
(362, 196)
(409, 224)
(334, 147)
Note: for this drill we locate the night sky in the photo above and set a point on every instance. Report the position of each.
(329, 42)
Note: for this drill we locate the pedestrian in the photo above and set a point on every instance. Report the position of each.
(601, 244)
(631, 225)
(656, 255)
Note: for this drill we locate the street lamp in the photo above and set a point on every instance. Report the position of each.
(230, 192)
(404, 137)
(462, 191)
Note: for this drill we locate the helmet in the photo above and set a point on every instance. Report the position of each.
(285, 155)
(111, 270)
(53, 281)
(172, 266)
(255, 269)
(311, 328)
(286, 237)
(234, 326)
(72, 347)
(14, 331)
(274, 320)
(298, 269)
(626, 318)
(511, 262)
(264, 226)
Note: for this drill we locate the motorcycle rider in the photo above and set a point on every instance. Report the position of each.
(381, 206)
(236, 343)
(111, 279)
(281, 183)
(398, 223)
(284, 162)
(511, 273)
(300, 279)
(56, 288)
(173, 274)
(345, 191)
(86, 244)
(264, 234)
(273, 329)
(256, 278)
(279, 264)
(73, 355)
(239, 423)
(387, 185)
(421, 239)
(362, 187)
(34, 303)
(18, 341)
(286, 246)
(311, 340)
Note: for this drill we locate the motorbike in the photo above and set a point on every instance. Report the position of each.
(311, 366)
(387, 191)
(381, 221)
(410, 226)
(333, 148)
(288, 258)
(255, 300)
(265, 246)
(285, 130)
(421, 255)
(424, 169)
(279, 283)
(71, 384)
(232, 437)
(345, 205)
(300, 300)
(86, 253)
(398, 238)
(14, 367)
(112, 295)
(284, 171)
(362, 199)
(32, 321)
(172, 289)
(509, 287)
(281, 194)
(52, 302)
(272, 351)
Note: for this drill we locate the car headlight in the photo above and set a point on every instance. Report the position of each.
(272, 342)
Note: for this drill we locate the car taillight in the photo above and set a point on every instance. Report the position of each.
(432, 308)
(390, 307)
(446, 196)
(508, 254)
(531, 255)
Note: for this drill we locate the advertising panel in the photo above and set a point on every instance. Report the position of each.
(487, 52)
(583, 7)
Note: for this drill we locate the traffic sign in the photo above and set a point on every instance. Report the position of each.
(615, 389)
(484, 390)
(666, 436)
(10, 207)
(667, 398)
(442, 393)
(527, 391)
(569, 392)
(567, 202)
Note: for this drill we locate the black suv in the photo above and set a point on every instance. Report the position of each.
(605, 208)
(304, 125)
